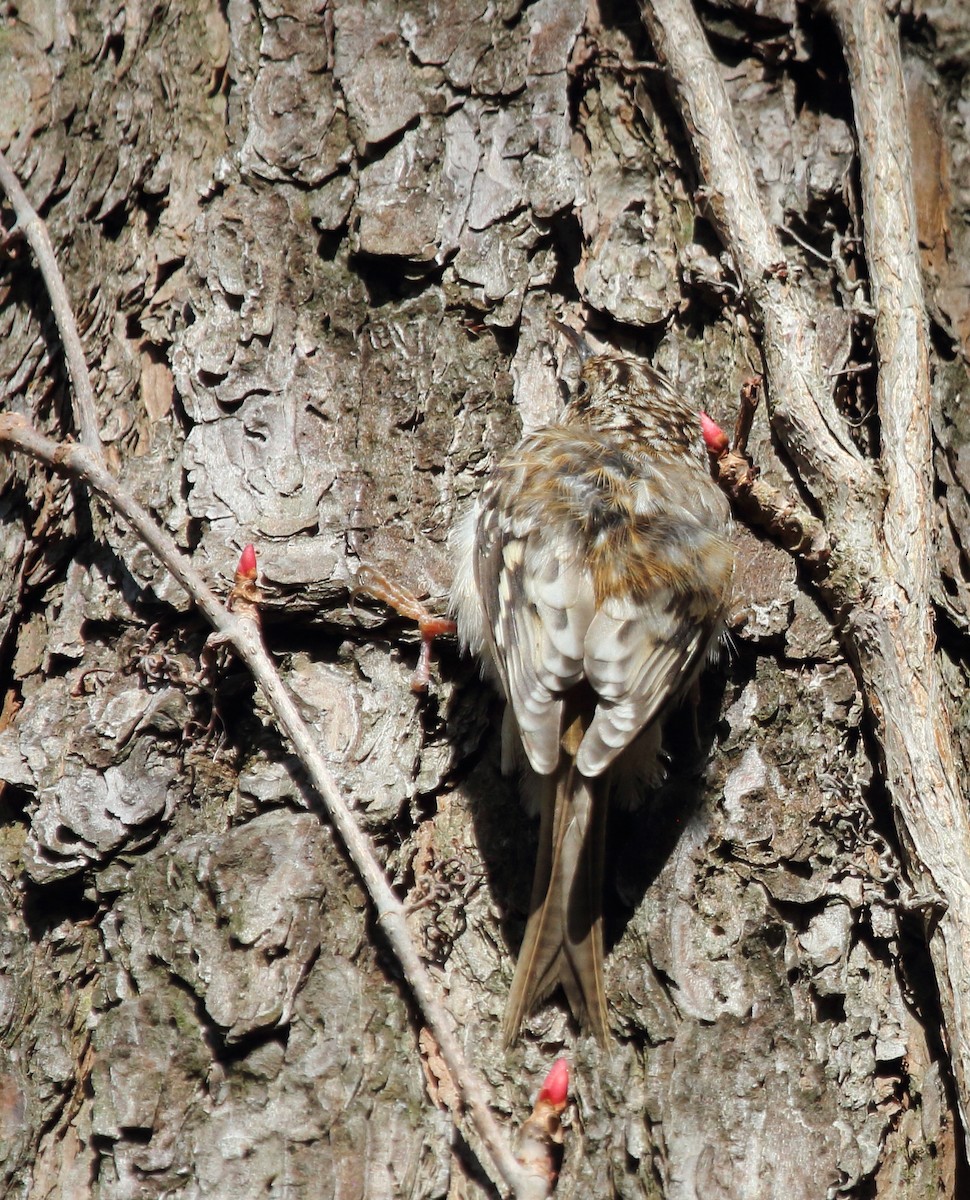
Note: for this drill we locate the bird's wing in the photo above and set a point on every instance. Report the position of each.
(538, 603)
(641, 653)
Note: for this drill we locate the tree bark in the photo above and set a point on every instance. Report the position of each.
(316, 254)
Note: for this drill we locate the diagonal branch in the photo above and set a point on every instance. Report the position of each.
(800, 401)
(879, 523)
(87, 463)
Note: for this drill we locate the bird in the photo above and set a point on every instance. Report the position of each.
(593, 578)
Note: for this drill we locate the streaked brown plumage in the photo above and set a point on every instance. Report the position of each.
(594, 577)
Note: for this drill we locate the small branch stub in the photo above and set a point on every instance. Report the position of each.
(784, 520)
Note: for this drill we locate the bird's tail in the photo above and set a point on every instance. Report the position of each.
(563, 940)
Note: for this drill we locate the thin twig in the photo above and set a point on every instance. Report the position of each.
(35, 231)
(87, 463)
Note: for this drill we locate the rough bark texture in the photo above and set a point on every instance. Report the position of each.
(316, 251)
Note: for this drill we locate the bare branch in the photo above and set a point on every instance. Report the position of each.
(896, 640)
(802, 411)
(35, 231)
(872, 56)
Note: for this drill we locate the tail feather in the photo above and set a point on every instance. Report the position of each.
(563, 941)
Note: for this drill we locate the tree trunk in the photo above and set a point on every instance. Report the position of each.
(317, 253)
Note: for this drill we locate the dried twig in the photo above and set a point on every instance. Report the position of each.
(35, 232)
(762, 505)
(878, 522)
(87, 463)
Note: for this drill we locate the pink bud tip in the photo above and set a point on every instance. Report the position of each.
(247, 562)
(715, 439)
(557, 1083)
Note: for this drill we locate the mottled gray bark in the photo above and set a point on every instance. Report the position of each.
(316, 252)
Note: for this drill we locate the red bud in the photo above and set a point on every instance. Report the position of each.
(715, 439)
(247, 563)
(557, 1084)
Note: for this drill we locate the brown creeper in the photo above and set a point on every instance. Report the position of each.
(594, 577)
